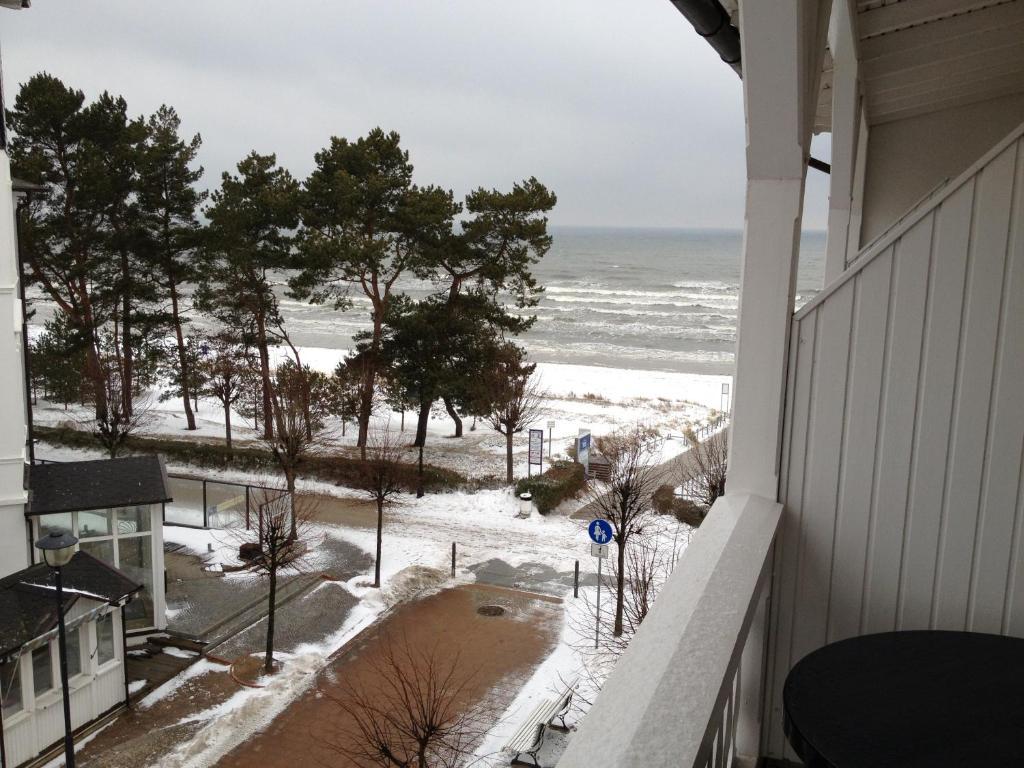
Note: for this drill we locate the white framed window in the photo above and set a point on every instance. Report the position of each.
(105, 643)
(121, 537)
(73, 648)
(42, 669)
(11, 699)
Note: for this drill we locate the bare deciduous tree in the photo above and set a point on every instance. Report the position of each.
(702, 469)
(650, 560)
(413, 710)
(632, 454)
(514, 397)
(226, 372)
(298, 420)
(278, 543)
(124, 415)
(380, 477)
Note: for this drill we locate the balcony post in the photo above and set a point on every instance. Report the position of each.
(782, 56)
(780, 83)
(845, 145)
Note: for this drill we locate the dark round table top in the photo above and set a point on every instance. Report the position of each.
(909, 699)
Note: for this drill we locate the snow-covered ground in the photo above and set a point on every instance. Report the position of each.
(590, 397)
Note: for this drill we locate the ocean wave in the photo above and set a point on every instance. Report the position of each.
(696, 290)
(695, 303)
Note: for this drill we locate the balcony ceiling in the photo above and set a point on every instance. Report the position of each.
(919, 56)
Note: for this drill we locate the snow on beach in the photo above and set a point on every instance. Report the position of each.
(580, 396)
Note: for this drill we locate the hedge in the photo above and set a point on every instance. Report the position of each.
(563, 480)
(666, 502)
(334, 468)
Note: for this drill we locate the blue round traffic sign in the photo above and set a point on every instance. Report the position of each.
(600, 531)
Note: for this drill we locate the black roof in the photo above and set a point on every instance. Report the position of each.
(28, 605)
(76, 486)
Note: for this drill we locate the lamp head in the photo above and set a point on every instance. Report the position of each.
(57, 548)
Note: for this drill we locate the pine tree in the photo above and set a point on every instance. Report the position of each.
(116, 141)
(364, 226)
(62, 233)
(168, 202)
(246, 242)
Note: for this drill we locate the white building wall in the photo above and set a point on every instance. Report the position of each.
(909, 158)
(902, 476)
(13, 531)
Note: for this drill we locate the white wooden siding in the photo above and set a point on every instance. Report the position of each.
(902, 474)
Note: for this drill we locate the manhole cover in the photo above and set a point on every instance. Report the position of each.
(491, 610)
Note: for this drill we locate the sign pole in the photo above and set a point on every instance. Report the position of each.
(597, 629)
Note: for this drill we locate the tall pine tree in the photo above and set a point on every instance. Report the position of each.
(167, 205)
(247, 241)
(365, 226)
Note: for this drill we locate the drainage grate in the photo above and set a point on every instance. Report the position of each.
(491, 610)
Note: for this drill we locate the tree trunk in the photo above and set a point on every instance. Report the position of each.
(227, 425)
(508, 457)
(450, 407)
(380, 541)
(620, 588)
(268, 659)
(268, 407)
(183, 372)
(421, 425)
(95, 369)
(128, 364)
(419, 481)
(365, 410)
(290, 478)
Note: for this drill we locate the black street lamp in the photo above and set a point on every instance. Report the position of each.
(58, 548)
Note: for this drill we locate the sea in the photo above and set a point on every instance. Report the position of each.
(640, 299)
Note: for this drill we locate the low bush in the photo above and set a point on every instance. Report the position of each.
(666, 502)
(563, 480)
(335, 468)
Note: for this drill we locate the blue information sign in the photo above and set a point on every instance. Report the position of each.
(600, 531)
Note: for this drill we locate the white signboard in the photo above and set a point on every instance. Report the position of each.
(599, 550)
(537, 446)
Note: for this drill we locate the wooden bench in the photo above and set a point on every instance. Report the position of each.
(529, 737)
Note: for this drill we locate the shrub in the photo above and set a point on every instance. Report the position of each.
(666, 502)
(563, 480)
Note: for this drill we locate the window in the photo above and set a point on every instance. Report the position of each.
(59, 522)
(42, 669)
(135, 555)
(94, 523)
(132, 520)
(101, 550)
(121, 537)
(105, 638)
(73, 647)
(10, 688)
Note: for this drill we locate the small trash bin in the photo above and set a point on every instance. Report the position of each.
(525, 504)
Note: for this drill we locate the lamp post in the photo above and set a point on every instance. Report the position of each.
(57, 548)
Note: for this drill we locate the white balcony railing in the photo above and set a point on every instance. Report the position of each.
(680, 695)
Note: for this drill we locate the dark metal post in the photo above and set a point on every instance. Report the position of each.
(576, 581)
(206, 518)
(124, 650)
(69, 742)
(247, 507)
(453, 559)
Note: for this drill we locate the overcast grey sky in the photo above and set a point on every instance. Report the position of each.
(616, 105)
